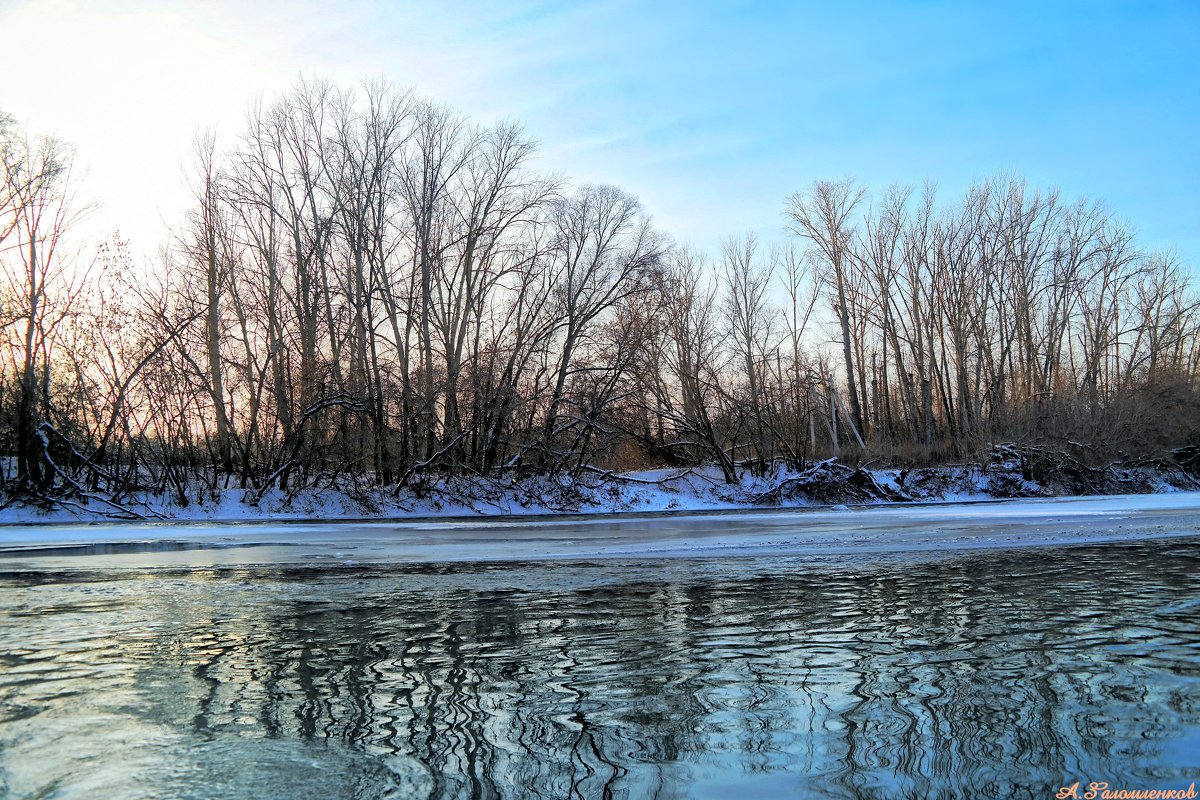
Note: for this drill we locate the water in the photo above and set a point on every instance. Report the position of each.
(991, 674)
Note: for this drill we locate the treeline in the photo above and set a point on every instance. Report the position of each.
(371, 291)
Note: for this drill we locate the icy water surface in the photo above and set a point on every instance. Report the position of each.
(988, 674)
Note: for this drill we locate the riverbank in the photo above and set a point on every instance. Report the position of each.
(826, 483)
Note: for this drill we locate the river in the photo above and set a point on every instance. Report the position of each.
(258, 664)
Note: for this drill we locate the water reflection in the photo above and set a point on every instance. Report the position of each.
(1003, 674)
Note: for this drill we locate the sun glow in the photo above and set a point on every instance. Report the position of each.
(128, 90)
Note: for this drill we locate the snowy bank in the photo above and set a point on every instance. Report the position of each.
(821, 484)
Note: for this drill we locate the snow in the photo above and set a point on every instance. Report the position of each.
(646, 513)
(649, 490)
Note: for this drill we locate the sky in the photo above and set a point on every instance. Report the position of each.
(712, 113)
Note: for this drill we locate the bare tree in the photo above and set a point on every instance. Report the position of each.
(604, 250)
(824, 217)
(37, 281)
(690, 356)
(750, 319)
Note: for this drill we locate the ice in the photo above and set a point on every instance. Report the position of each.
(894, 528)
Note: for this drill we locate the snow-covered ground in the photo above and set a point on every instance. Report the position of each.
(826, 532)
(822, 484)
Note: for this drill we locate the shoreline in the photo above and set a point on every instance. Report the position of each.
(828, 484)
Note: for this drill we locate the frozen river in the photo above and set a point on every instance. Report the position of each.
(997, 650)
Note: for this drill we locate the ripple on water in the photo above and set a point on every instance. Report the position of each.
(1006, 672)
(149, 763)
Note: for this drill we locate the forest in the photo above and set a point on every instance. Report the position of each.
(370, 290)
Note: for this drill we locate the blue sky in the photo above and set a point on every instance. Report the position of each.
(712, 113)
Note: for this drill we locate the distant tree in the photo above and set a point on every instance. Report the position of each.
(38, 282)
(824, 217)
(746, 280)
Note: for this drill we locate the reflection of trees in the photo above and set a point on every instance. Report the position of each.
(977, 674)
